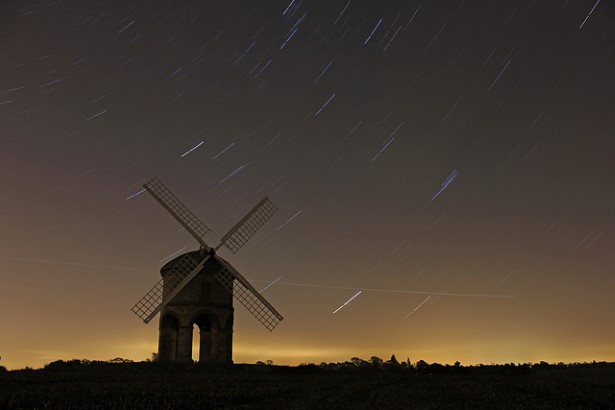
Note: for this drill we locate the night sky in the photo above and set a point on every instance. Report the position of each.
(451, 160)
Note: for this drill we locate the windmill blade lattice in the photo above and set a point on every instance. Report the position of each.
(183, 215)
(167, 288)
(248, 296)
(247, 227)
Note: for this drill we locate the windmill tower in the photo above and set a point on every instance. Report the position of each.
(197, 288)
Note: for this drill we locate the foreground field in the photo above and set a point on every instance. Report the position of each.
(152, 386)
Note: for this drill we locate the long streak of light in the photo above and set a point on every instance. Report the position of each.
(383, 148)
(289, 6)
(175, 73)
(125, 27)
(223, 151)
(13, 89)
(594, 241)
(589, 14)
(265, 288)
(353, 130)
(173, 254)
(89, 265)
(244, 53)
(392, 38)
(373, 31)
(323, 71)
(410, 292)
(133, 195)
(583, 241)
(499, 75)
(284, 224)
(338, 17)
(192, 149)
(506, 277)
(96, 115)
(435, 37)
(389, 141)
(238, 170)
(412, 18)
(288, 39)
(324, 105)
(347, 302)
(263, 69)
(417, 308)
(449, 179)
(274, 138)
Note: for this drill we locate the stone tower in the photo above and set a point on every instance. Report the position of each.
(204, 302)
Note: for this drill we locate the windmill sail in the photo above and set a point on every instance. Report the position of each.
(185, 269)
(245, 293)
(187, 219)
(243, 231)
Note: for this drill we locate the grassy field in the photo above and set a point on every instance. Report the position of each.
(73, 385)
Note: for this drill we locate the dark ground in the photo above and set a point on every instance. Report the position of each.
(151, 386)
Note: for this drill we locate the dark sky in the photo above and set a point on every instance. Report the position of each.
(412, 148)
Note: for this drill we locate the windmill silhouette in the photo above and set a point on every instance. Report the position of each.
(198, 287)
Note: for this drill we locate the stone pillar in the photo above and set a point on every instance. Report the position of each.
(184, 344)
(205, 347)
(215, 345)
(167, 345)
(167, 341)
(229, 345)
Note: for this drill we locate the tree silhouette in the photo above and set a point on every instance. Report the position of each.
(376, 361)
(421, 365)
(393, 361)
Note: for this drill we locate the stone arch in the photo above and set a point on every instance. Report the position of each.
(209, 336)
(168, 340)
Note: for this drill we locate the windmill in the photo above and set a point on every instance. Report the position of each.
(198, 287)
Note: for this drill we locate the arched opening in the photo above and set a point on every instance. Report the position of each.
(203, 339)
(167, 343)
(203, 326)
(196, 343)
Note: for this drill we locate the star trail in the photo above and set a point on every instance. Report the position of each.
(449, 162)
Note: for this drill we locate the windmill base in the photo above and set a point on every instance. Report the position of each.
(176, 338)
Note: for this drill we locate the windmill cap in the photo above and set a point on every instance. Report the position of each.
(195, 255)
